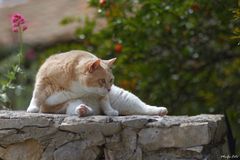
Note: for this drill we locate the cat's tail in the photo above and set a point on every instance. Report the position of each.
(128, 104)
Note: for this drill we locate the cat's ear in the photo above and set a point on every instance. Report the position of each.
(110, 62)
(93, 66)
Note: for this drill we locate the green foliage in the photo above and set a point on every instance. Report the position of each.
(8, 83)
(69, 20)
(236, 29)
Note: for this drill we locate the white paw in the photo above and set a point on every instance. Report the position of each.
(83, 110)
(163, 111)
(33, 109)
(112, 113)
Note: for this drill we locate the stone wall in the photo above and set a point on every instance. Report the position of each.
(29, 136)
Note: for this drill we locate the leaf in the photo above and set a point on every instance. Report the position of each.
(68, 20)
(4, 98)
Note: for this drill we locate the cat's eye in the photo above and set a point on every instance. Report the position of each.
(111, 80)
(102, 81)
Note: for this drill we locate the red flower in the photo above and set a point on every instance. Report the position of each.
(18, 22)
(195, 7)
(107, 13)
(118, 48)
(102, 2)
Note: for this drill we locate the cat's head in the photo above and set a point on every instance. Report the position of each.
(99, 78)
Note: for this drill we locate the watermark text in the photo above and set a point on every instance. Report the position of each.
(230, 156)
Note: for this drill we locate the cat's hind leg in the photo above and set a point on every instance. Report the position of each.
(153, 110)
(33, 108)
(77, 107)
(39, 95)
(60, 97)
(129, 104)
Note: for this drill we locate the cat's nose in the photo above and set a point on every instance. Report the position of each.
(109, 89)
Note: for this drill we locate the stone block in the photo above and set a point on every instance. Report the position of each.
(35, 136)
(76, 150)
(27, 150)
(185, 135)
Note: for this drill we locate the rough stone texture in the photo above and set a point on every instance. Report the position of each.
(32, 136)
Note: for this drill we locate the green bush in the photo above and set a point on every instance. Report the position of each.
(236, 29)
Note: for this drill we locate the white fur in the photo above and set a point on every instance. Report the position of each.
(117, 102)
(127, 103)
(121, 102)
(107, 108)
(60, 97)
(33, 108)
(76, 91)
(81, 91)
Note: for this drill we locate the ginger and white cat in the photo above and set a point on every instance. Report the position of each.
(79, 83)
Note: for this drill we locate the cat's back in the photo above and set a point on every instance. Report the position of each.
(55, 64)
(70, 56)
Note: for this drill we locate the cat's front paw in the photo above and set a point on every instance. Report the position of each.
(163, 111)
(83, 110)
(112, 113)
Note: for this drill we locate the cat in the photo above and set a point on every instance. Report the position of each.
(79, 83)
